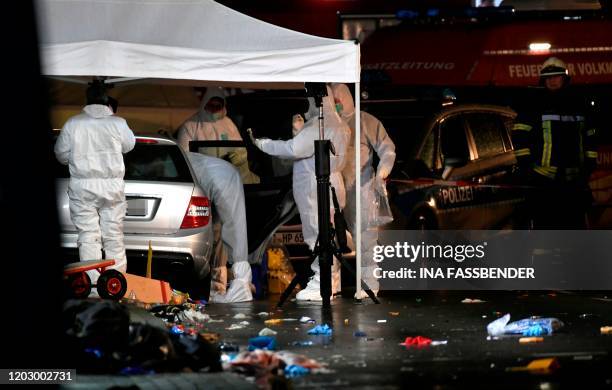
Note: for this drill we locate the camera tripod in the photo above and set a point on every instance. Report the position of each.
(302, 280)
(325, 248)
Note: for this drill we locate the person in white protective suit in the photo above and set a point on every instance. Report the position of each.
(92, 144)
(301, 149)
(374, 138)
(211, 123)
(222, 182)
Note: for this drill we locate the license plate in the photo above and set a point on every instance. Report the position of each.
(137, 207)
(296, 238)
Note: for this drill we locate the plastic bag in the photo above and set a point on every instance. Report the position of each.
(526, 327)
(379, 211)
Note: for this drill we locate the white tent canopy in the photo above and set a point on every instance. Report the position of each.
(183, 40)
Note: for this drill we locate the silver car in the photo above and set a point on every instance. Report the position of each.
(166, 208)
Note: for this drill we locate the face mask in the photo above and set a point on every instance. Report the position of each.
(339, 108)
(218, 115)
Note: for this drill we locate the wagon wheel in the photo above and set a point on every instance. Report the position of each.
(111, 284)
(79, 285)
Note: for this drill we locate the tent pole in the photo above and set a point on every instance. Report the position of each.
(358, 187)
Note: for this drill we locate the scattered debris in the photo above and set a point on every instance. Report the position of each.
(469, 300)
(278, 321)
(294, 359)
(240, 325)
(274, 321)
(529, 340)
(177, 329)
(262, 342)
(418, 341)
(263, 314)
(539, 366)
(293, 371)
(435, 343)
(606, 330)
(321, 329)
(259, 363)
(267, 332)
(533, 326)
(382, 321)
(307, 343)
(192, 315)
(305, 320)
(240, 316)
(212, 338)
(228, 347)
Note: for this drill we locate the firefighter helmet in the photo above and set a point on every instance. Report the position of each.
(553, 67)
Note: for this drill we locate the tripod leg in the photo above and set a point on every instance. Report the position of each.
(364, 286)
(296, 279)
(302, 279)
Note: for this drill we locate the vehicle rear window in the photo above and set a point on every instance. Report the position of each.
(149, 162)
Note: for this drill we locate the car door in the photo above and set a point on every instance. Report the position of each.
(457, 200)
(500, 199)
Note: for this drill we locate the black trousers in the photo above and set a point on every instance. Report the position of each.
(558, 204)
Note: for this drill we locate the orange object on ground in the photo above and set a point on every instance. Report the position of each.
(149, 290)
(527, 340)
(538, 366)
(606, 330)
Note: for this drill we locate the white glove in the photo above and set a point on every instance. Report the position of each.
(298, 124)
(382, 173)
(240, 288)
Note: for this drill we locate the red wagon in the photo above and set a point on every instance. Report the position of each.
(111, 283)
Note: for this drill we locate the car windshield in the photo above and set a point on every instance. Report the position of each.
(149, 162)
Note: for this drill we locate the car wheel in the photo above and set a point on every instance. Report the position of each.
(422, 220)
(78, 285)
(111, 285)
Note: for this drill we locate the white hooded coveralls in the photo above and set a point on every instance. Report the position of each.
(374, 138)
(202, 126)
(221, 180)
(92, 144)
(301, 150)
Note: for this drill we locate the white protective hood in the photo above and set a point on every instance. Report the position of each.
(183, 40)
